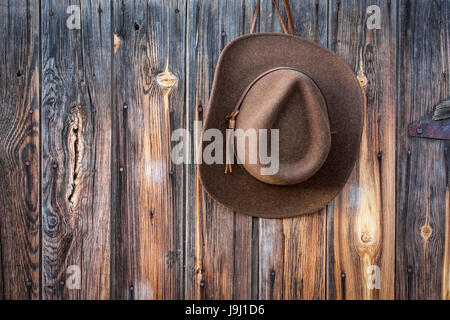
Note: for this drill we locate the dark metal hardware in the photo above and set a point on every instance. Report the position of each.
(438, 128)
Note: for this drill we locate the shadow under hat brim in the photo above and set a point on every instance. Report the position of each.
(239, 64)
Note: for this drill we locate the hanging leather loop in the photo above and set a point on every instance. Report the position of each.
(255, 16)
(280, 17)
(287, 8)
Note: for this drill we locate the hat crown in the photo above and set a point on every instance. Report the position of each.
(288, 100)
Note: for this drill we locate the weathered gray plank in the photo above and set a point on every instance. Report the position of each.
(292, 251)
(76, 144)
(218, 242)
(19, 150)
(147, 189)
(422, 165)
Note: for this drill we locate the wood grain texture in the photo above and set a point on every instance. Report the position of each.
(76, 146)
(219, 247)
(148, 192)
(94, 108)
(19, 150)
(446, 263)
(292, 251)
(361, 226)
(422, 165)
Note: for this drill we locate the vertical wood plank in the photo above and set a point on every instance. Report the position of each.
(361, 225)
(446, 263)
(148, 193)
(422, 169)
(292, 251)
(219, 245)
(76, 159)
(19, 150)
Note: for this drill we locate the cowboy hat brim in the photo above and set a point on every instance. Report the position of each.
(239, 64)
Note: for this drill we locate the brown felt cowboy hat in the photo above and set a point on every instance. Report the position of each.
(281, 81)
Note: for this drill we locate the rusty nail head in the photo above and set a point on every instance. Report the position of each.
(419, 129)
(51, 13)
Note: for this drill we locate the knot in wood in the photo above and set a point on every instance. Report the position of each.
(426, 231)
(365, 238)
(166, 80)
(362, 79)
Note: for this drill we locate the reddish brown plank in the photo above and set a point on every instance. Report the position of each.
(446, 264)
(147, 189)
(19, 150)
(361, 226)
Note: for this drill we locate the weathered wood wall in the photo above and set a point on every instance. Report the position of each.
(86, 179)
(423, 176)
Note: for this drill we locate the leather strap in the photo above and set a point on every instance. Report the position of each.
(287, 8)
(255, 16)
(283, 25)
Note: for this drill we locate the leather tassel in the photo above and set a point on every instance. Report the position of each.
(229, 154)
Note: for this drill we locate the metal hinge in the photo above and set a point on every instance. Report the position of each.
(437, 128)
